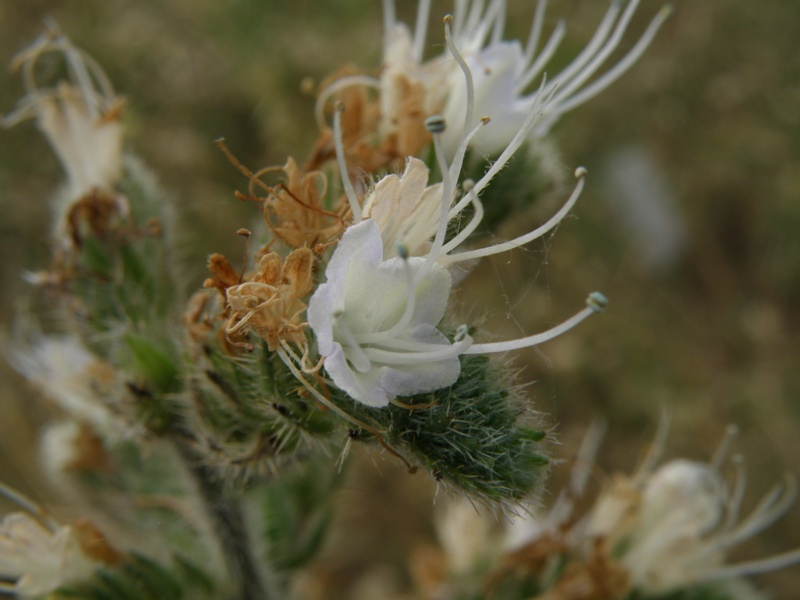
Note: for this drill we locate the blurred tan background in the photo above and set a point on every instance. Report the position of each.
(690, 222)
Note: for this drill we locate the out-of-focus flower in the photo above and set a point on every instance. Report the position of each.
(81, 119)
(40, 556)
(661, 530)
(503, 73)
(672, 526)
(85, 387)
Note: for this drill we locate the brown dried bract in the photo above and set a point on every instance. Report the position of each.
(270, 304)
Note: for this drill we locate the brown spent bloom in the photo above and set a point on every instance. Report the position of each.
(294, 209)
(270, 304)
(373, 143)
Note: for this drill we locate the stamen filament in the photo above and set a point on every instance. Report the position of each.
(580, 173)
(356, 354)
(413, 357)
(756, 567)
(467, 78)
(421, 29)
(536, 31)
(355, 207)
(597, 61)
(770, 509)
(548, 51)
(462, 235)
(539, 338)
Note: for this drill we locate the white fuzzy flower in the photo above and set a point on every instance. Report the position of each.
(80, 118)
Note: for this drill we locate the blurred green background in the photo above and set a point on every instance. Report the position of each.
(705, 299)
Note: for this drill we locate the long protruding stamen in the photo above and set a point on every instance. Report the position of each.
(756, 567)
(567, 88)
(595, 44)
(473, 224)
(536, 32)
(389, 21)
(458, 161)
(771, 508)
(339, 84)
(421, 29)
(656, 450)
(467, 76)
(564, 505)
(413, 357)
(732, 510)
(618, 70)
(724, 448)
(436, 126)
(595, 303)
(356, 353)
(499, 17)
(580, 173)
(26, 503)
(538, 66)
(355, 207)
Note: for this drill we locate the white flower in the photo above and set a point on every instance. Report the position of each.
(82, 385)
(39, 555)
(81, 119)
(375, 321)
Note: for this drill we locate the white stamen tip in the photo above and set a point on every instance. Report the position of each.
(597, 302)
(435, 124)
(467, 185)
(461, 333)
(581, 172)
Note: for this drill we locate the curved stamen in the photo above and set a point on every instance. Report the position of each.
(580, 173)
(471, 226)
(536, 32)
(389, 21)
(772, 507)
(340, 84)
(458, 161)
(421, 29)
(595, 303)
(724, 448)
(462, 64)
(413, 357)
(538, 66)
(436, 125)
(732, 512)
(756, 567)
(653, 454)
(355, 207)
